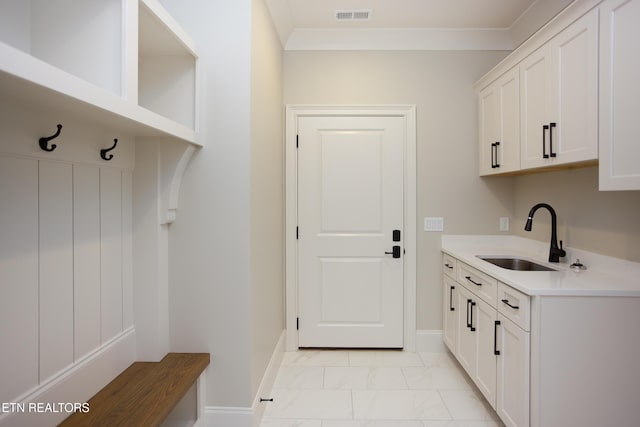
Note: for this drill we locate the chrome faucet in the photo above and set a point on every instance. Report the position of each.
(555, 252)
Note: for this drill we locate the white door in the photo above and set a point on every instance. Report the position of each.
(350, 209)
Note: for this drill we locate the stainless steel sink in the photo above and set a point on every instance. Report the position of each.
(515, 264)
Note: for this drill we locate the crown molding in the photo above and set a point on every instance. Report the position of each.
(399, 39)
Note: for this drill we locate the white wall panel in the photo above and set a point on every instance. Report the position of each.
(111, 251)
(127, 249)
(86, 258)
(18, 276)
(56, 267)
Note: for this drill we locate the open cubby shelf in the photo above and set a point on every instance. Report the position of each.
(123, 63)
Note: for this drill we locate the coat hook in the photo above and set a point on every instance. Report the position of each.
(103, 152)
(45, 140)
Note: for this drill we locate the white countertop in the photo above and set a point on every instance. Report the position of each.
(605, 276)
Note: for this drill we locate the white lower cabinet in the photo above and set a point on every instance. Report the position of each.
(513, 344)
(480, 329)
(450, 313)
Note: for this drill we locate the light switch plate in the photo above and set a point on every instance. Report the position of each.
(433, 224)
(504, 223)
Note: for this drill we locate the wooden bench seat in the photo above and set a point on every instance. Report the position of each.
(144, 394)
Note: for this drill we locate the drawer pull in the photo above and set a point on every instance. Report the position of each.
(471, 280)
(506, 301)
(449, 266)
(451, 307)
(468, 304)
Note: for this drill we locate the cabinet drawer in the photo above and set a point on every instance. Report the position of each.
(515, 305)
(484, 286)
(449, 265)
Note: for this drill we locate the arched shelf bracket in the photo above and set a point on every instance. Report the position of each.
(175, 159)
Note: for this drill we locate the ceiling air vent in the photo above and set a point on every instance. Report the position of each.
(352, 15)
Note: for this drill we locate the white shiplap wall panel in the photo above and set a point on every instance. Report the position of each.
(127, 249)
(18, 276)
(111, 251)
(56, 267)
(86, 256)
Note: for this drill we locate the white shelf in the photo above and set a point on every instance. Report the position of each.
(166, 66)
(70, 71)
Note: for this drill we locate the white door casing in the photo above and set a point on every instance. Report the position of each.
(341, 238)
(350, 201)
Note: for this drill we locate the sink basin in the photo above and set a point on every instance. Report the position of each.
(516, 264)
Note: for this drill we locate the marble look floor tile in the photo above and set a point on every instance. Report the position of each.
(299, 377)
(438, 359)
(462, 424)
(436, 377)
(279, 422)
(316, 358)
(390, 358)
(310, 404)
(363, 378)
(399, 405)
(372, 423)
(467, 405)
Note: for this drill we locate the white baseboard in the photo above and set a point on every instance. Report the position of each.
(268, 379)
(226, 416)
(222, 416)
(429, 342)
(78, 383)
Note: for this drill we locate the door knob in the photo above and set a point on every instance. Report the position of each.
(395, 252)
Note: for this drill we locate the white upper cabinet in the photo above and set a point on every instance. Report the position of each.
(619, 95)
(499, 105)
(566, 97)
(559, 102)
(97, 60)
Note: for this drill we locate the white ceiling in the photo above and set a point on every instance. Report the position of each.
(410, 24)
(409, 13)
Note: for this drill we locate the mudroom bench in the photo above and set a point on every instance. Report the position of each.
(145, 393)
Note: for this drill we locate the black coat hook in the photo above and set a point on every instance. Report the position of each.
(103, 152)
(45, 140)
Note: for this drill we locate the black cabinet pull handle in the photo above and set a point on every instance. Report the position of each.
(450, 267)
(473, 328)
(551, 126)
(468, 304)
(451, 307)
(471, 280)
(506, 301)
(493, 161)
(495, 338)
(544, 141)
(496, 148)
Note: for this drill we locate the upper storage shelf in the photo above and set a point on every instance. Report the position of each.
(122, 63)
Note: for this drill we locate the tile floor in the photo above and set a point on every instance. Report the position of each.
(364, 388)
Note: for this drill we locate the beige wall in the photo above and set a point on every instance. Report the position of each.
(604, 222)
(440, 85)
(267, 186)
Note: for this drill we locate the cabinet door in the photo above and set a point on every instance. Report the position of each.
(500, 125)
(450, 313)
(513, 373)
(466, 337)
(619, 95)
(559, 99)
(573, 93)
(489, 120)
(484, 317)
(533, 106)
